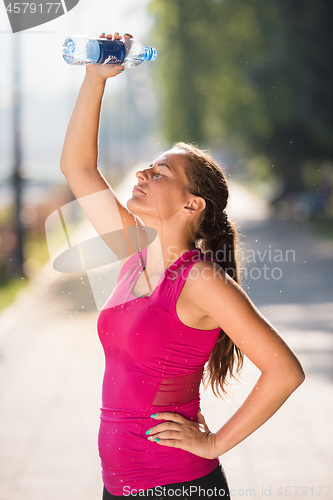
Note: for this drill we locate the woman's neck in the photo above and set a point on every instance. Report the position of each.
(165, 249)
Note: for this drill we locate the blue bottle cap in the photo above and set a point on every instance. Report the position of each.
(150, 54)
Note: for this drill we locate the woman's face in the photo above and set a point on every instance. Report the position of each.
(162, 188)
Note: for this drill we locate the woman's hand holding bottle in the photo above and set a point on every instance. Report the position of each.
(105, 71)
(80, 151)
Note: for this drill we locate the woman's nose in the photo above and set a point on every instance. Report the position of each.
(140, 174)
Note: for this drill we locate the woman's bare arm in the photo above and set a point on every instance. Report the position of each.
(218, 297)
(281, 373)
(80, 149)
(79, 159)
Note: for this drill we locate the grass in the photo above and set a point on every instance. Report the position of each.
(10, 290)
(36, 254)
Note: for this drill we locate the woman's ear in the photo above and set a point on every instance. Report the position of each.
(194, 206)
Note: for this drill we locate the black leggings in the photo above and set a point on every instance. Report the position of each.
(212, 485)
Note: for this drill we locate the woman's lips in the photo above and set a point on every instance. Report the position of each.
(138, 188)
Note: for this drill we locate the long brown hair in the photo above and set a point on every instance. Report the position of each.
(214, 235)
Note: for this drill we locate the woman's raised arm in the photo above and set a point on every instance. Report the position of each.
(80, 152)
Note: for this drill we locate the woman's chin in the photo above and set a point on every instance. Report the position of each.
(133, 206)
(130, 204)
(137, 208)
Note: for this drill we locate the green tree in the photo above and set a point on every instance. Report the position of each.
(256, 74)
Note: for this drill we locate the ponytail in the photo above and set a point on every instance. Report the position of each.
(217, 237)
(220, 241)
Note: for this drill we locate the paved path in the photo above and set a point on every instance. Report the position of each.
(52, 367)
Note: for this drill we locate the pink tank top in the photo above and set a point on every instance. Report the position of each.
(154, 363)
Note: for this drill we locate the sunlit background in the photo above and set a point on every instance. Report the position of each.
(251, 81)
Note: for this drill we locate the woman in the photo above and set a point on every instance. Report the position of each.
(177, 305)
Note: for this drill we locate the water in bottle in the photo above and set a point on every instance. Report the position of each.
(78, 49)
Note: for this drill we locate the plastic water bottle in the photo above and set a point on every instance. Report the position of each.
(78, 49)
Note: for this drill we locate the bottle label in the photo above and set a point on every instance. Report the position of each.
(112, 52)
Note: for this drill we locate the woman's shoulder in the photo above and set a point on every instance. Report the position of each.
(207, 267)
(207, 276)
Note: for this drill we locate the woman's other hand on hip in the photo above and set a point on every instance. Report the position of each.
(179, 432)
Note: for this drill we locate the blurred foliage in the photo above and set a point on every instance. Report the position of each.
(36, 254)
(10, 290)
(35, 247)
(255, 75)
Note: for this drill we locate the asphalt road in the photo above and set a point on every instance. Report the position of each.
(52, 367)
